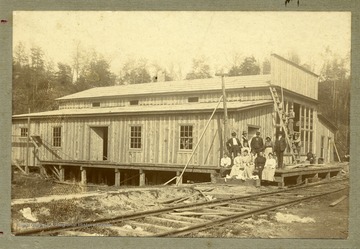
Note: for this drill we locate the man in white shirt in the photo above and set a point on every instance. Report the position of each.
(233, 145)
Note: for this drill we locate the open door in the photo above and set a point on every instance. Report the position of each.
(98, 144)
(252, 131)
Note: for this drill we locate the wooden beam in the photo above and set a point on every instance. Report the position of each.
(62, 173)
(28, 145)
(141, 178)
(337, 153)
(83, 175)
(333, 204)
(202, 135)
(19, 167)
(179, 178)
(117, 177)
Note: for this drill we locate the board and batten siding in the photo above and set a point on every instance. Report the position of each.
(293, 78)
(232, 95)
(329, 136)
(160, 136)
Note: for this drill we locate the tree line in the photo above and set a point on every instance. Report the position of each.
(37, 82)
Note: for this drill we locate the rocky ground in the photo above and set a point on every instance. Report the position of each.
(38, 202)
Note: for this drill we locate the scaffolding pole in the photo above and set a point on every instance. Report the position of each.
(197, 144)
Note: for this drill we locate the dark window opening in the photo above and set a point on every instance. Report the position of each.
(23, 132)
(135, 137)
(193, 99)
(57, 136)
(134, 102)
(186, 137)
(96, 104)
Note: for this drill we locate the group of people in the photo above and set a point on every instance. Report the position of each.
(244, 157)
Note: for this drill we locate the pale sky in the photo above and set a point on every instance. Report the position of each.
(177, 37)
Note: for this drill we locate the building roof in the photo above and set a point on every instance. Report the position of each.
(128, 110)
(173, 87)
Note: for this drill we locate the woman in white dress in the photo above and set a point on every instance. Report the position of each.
(269, 169)
(237, 168)
(248, 164)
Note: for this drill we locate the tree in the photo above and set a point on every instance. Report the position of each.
(200, 70)
(249, 66)
(266, 66)
(135, 72)
(334, 97)
(96, 73)
(294, 57)
(64, 74)
(32, 77)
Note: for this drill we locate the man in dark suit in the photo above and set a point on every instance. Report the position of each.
(257, 143)
(234, 146)
(280, 146)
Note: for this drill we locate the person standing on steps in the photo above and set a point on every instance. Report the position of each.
(257, 143)
(269, 147)
(280, 146)
(290, 121)
(234, 146)
(245, 140)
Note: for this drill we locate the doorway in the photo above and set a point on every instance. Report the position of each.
(252, 129)
(98, 144)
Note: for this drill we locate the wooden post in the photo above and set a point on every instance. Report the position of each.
(213, 177)
(299, 179)
(142, 178)
(27, 145)
(179, 178)
(337, 153)
(202, 135)
(62, 173)
(83, 175)
(225, 109)
(327, 177)
(117, 177)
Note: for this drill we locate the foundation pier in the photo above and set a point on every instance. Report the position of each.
(62, 173)
(142, 178)
(179, 179)
(83, 175)
(117, 177)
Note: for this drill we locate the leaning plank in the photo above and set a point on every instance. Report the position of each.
(185, 198)
(19, 167)
(206, 198)
(208, 213)
(55, 174)
(333, 204)
(171, 200)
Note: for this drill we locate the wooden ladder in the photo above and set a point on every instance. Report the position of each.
(277, 104)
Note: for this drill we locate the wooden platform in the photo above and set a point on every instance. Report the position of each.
(288, 176)
(299, 174)
(132, 166)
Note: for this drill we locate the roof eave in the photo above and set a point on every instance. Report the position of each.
(157, 112)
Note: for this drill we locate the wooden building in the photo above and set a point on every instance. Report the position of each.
(155, 127)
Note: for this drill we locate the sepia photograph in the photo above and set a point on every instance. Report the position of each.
(195, 124)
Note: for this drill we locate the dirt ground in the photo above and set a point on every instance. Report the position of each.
(38, 202)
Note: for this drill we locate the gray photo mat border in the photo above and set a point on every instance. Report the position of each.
(7, 7)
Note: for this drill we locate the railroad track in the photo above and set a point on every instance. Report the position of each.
(180, 220)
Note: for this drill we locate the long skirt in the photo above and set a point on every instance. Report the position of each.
(268, 174)
(248, 171)
(236, 171)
